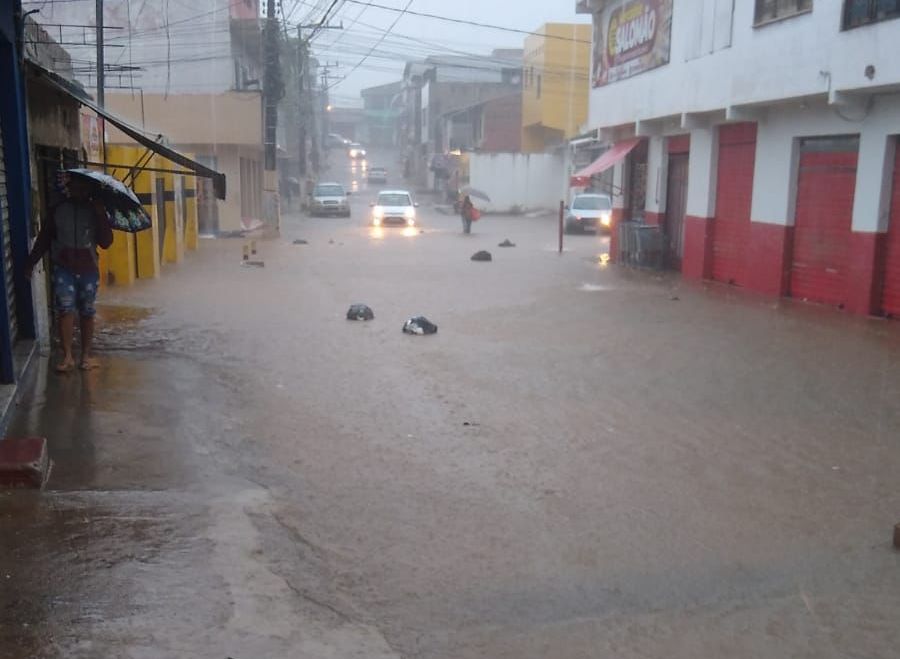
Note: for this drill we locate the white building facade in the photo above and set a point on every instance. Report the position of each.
(766, 139)
(191, 71)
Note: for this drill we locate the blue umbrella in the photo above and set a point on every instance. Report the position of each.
(123, 208)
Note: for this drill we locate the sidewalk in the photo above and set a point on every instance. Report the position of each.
(146, 542)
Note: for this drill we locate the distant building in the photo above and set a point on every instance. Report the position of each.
(197, 80)
(349, 123)
(439, 86)
(556, 68)
(492, 126)
(761, 137)
(383, 107)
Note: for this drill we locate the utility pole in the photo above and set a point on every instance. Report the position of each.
(273, 87)
(303, 101)
(101, 65)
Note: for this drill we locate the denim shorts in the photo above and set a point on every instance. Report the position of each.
(75, 291)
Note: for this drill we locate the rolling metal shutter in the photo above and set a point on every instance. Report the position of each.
(7, 259)
(734, 195)
(891, 300)
(825, 189)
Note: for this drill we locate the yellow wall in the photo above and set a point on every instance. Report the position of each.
(121, 259)
(562, 67)
(173, 243)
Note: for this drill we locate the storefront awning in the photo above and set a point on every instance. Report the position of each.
(78, 94)
(612, 156)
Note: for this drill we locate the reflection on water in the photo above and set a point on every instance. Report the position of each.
(354, 185)
(379, 233)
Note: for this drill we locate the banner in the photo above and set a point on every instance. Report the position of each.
(630, 37)
(92, 136)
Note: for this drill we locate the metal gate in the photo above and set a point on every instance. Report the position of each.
(676, 208)
(826, 185)
(890, 303)
(9, 283)
(734, 195)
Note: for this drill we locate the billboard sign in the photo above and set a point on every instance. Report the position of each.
(630, 37)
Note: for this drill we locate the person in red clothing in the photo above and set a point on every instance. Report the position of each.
(75, 229)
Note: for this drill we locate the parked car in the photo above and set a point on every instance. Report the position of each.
(589, 212)
(394, 207)
(377, 175)
(356, 150)
(329, 199)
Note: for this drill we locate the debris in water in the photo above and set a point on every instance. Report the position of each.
(419, 325)
(674, 298)
(360, 312)
(506, 243)
(253, 264)
(300, 241)
(482, 256)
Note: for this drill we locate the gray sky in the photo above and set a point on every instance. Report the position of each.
(350, 45)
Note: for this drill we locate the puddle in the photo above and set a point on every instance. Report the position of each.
(123, 315)
(595, 288)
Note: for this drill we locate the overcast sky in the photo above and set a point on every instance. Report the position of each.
(385, 65)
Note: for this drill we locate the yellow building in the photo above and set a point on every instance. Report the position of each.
(556, 72)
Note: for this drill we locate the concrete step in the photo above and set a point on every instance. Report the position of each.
(24, 463)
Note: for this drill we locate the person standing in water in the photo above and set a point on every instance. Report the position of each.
(76, 227)
(465, 212)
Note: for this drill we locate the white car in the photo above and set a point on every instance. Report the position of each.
(589, 212)
(394, 207)
(356, 150)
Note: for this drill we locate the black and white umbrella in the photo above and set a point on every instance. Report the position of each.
(123, 208)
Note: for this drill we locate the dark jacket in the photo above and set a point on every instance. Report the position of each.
(72, 233)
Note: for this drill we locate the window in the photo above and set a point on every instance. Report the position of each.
(773, 10)
(863, 12)
(539, 85)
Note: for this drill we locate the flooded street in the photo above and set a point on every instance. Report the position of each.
(585, 461)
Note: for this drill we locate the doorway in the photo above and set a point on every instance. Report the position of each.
(676, 208)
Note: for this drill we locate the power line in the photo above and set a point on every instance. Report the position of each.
(372, 50)
(463, 21)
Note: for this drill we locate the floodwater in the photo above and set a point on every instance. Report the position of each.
(584, 462)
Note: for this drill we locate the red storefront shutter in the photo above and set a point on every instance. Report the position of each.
(734, 196)
(891, 300)
(824, 218)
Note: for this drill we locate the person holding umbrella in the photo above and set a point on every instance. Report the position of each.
(466, 211)
(76, 227)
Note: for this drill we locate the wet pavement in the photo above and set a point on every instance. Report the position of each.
(584, 462)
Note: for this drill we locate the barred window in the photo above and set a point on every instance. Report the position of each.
(772, 10)
(863, 12)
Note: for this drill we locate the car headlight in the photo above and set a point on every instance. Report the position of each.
(606, 219)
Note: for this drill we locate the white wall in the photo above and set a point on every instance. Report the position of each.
(777, 149)
(528, 181)
(799, 56)
(194, 55)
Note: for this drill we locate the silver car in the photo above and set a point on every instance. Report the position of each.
(589, 212)
(329, 199)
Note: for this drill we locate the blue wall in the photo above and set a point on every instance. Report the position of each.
(18, 180)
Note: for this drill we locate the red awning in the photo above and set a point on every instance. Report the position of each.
(612, 156)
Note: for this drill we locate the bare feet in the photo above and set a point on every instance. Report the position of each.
(66, 365)
(89, 363)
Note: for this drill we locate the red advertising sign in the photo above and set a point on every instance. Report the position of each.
(630, 37)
